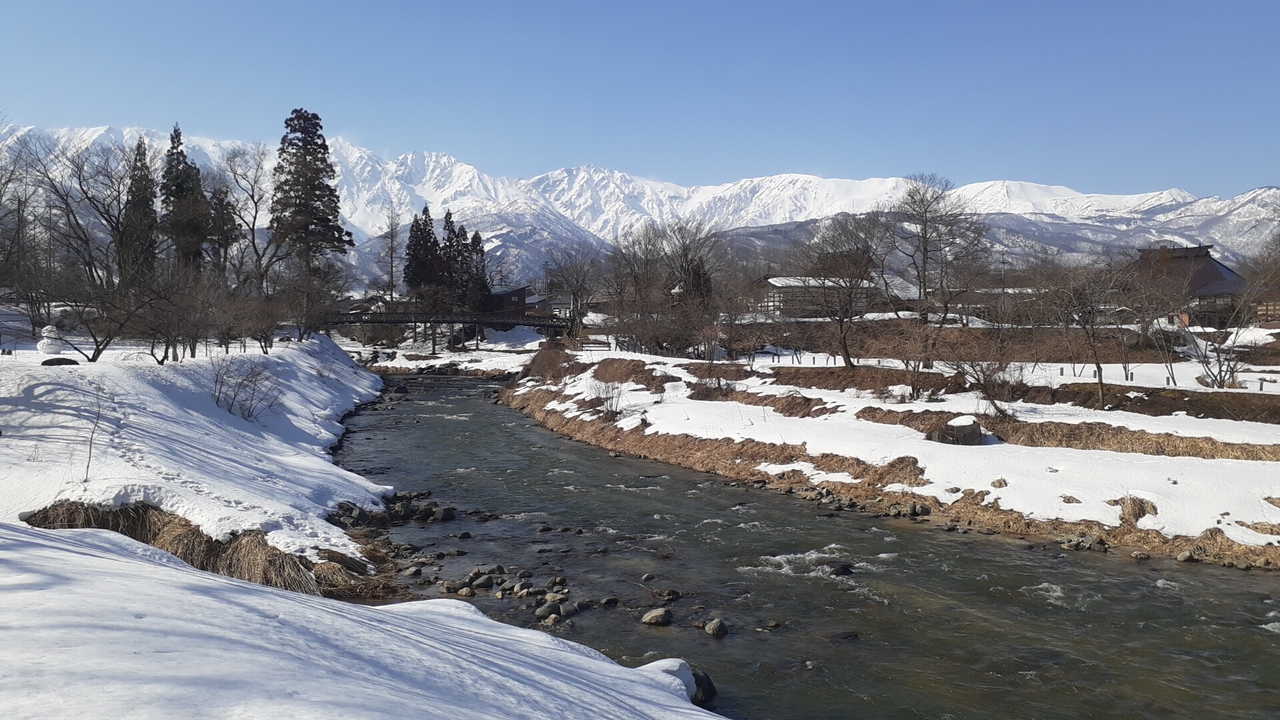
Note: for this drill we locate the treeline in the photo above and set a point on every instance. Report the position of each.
(925, 262)
(115, 242)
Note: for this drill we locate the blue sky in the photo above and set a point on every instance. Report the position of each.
(1099, 96)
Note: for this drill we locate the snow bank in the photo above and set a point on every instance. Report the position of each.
(96, 625)
(121, 430)
(1190, 494)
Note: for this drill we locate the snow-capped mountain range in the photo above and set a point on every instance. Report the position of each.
(521, 219)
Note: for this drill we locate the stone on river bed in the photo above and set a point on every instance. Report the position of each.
(661, 616)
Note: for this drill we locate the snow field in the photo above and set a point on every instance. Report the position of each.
(121, 430)
(97, 625)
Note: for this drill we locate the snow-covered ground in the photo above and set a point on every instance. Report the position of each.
(99, 626)
(499, 352)
(1190, 494)
(124, 429)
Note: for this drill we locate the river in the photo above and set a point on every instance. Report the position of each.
(923, 624)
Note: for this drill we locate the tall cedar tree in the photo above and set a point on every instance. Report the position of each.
(136, 246)
(186, 214)
(449, 258)
(421, 255)
(304, 209)
(224, 231)
(478, 288)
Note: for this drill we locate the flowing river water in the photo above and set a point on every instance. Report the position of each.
(925, 624)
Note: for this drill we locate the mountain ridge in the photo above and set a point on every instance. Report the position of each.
(523, 219)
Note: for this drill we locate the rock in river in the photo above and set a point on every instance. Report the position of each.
(661, 616)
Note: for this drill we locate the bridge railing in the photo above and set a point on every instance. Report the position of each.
(442, 318)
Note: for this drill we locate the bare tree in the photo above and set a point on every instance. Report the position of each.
(938, 241)
(575, 270)
(392, 248)
(938, 245)
(661, 283)
(1085, 298)
(838, 269)
(247, 175)
(83, 193)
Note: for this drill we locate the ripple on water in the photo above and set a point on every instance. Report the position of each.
(635, 488)
(1055, 596)
(523, 515)
(1272, 627)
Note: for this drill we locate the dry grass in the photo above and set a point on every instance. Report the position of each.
(614, 370)
(863, 377)
(553, 363)
(718, 371)
(1133, 509)
(1251, 407)
(794, 405)
(246, 556)
(1082, 436)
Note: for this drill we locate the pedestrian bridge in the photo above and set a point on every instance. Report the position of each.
(445, 318)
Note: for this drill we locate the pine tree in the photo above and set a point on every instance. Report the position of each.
(304, 209)
(136, 246)
(185, 209)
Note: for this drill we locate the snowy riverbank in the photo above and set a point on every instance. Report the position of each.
(746, 422)
(98, 625)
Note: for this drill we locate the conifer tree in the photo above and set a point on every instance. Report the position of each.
(186, 219)
(451, 252)
(223, 231)
(478, 287)
(304, 209)
(136, 246)
(421, 255)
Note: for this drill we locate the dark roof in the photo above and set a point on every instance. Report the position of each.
(1195, 266)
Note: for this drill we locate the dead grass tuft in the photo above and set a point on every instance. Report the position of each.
(793, 405)
(615, 370)
(1133, 509)
(718, 371)
(246, 556)
(553, 363)
(1265, 528)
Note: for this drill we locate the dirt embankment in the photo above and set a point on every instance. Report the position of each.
(739, 460)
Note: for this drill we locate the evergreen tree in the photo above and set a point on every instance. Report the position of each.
(421, 255)
(136, 246)
(478, 287)
(452, 277)
(304, 209)
(186, 219)
(223, 231)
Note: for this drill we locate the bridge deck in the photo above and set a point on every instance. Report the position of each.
(442, 318)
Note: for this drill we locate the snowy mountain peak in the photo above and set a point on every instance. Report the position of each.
(521, 219)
